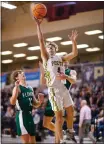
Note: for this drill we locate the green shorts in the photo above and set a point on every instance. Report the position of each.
(48, 110)
(25, 123)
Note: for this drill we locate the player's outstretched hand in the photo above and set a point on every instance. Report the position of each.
(38, 21)
(73, 36)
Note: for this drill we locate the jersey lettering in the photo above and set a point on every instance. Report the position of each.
(58, 63)
(26, 94)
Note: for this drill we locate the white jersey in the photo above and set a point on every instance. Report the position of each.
(52, 67)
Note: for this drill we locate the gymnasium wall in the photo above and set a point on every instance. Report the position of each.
(34, 64)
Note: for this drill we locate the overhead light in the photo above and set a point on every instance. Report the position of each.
(82, 46)
(92, 49)
(20, 45)
(19, 55)
(101, 37)
(8, 6)
(34, 48)
(7, 61)
(66, 43)
(61, 53)
(6, 52)
(93, 32)
(31, 57)
(54, 39)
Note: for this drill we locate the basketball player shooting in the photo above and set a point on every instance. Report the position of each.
(53, 65)
(70, 76)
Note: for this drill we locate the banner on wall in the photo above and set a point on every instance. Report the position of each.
(3, 79)
(93, 72)
(89, 71)
(32, 78)
(86, 72)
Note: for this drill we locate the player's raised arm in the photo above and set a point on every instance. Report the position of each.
(42, 73)
(74, 52)
(44, 54)
(15, 93)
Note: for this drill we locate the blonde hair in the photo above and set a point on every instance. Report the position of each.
(52, 44)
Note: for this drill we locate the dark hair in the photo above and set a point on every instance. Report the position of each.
(14, 75)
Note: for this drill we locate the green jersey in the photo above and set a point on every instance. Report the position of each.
(24, 119)
(25, 99)
(68, 84)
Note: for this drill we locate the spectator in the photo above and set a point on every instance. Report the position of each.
(100, 125)
(8, 121)
(9, 112)
(92, 92)
(85, 122)
(94, 112)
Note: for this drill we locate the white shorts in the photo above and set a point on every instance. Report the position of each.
(59, 97)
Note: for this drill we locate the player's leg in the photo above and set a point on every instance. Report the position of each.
(47, 123)
(69, 117)
(47, 120)
(57, 107)
(58, 124)
(68, 105)
(21, 130)
(69, 120)
(25, 138)
(32, 139)
(29, 126)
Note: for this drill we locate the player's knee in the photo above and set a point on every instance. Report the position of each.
(70, 110)
(59, 120)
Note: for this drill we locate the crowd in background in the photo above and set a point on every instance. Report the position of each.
(92, 92)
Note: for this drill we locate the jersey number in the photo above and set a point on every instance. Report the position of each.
(30, 100)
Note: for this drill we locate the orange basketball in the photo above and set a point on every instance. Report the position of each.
(39, 10)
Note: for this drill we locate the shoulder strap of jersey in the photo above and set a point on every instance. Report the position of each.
(31, 88)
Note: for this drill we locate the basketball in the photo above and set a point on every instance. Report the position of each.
(39, 10)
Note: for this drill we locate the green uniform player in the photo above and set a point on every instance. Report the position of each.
(24, 119)
(70, 76)
(48, 110)
(23, 98)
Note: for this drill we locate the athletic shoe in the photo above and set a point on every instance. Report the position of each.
(71, 136)
(62, 141)
(65, 135)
